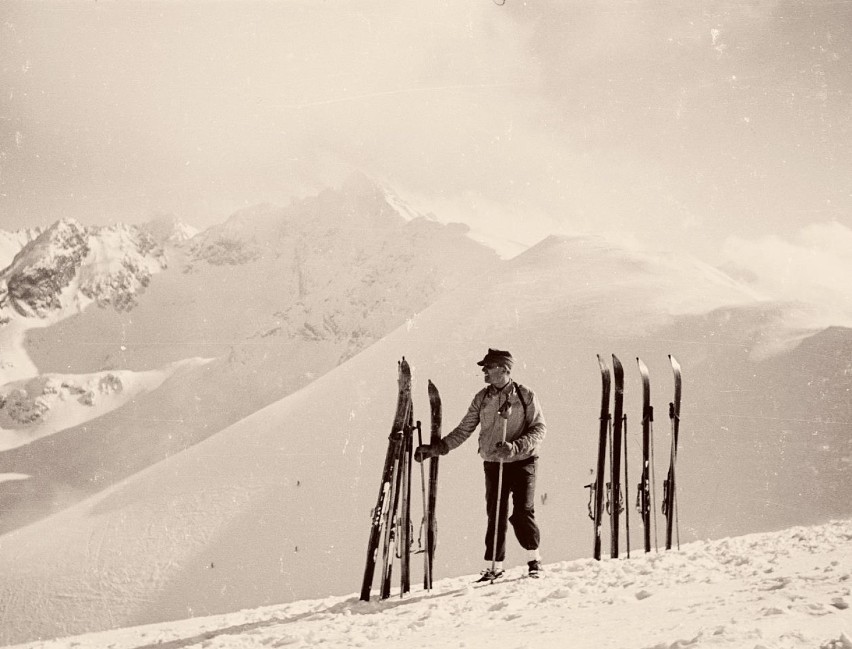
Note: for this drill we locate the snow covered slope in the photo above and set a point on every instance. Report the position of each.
(275, 507)
(786, 589)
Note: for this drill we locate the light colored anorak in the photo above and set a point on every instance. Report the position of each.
(525, 434)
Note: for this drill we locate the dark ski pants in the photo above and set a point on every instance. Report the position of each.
(519, 481)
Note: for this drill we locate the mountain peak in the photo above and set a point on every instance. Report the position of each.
(169, 229)
(360, 184)
(359, 206)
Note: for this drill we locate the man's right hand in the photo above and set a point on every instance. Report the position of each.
(425, 451)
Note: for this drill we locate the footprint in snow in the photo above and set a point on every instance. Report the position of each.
(771, 611)
(777, 584)
(817, 609)
(677, 644)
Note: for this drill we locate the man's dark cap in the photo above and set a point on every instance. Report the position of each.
(498, 357)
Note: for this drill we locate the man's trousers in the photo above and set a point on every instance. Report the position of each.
(519, 482)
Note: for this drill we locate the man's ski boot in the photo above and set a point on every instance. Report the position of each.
(535, 569)
(489, 575)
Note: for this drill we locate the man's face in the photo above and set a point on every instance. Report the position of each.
(494, 374)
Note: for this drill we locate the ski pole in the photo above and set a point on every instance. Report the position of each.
(626, 490)
(426, 558)
(504, 411)
(653, 497)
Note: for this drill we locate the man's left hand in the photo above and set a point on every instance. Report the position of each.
(504, 450)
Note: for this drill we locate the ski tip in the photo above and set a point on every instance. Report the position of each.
(434, 395)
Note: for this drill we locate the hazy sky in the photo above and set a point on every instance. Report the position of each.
(672, 122)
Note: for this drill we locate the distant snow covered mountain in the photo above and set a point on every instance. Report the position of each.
(208, 495)
(345, 266)
(68, 266)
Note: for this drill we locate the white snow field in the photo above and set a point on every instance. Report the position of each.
(779, 590)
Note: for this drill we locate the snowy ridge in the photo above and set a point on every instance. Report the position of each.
(676, 283)
(788, 589)
(400, 205)
(12, 242)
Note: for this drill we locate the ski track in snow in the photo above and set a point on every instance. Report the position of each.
(777, 590)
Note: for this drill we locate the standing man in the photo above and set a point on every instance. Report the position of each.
(517, 458)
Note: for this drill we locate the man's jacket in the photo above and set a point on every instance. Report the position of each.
(525, 428)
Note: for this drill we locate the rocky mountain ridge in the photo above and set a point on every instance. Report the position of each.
(69, 265)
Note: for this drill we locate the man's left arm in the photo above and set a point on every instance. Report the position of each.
(536, 428)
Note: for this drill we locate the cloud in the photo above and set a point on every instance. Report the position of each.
(811, 268)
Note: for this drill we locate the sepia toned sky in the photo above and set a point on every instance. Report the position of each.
(674, 124)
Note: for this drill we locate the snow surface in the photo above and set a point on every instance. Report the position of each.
(780, 590)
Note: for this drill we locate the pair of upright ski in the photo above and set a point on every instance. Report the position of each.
(613, 428)
(390, 523)
(610, 426)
